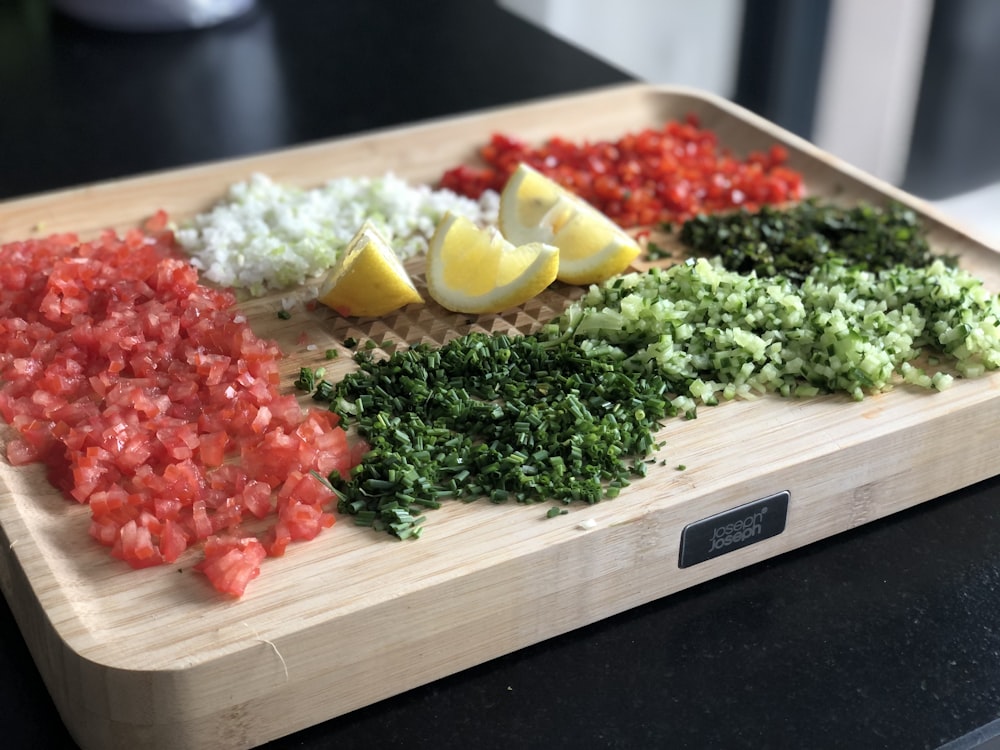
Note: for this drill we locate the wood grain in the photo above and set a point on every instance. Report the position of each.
(153, 658)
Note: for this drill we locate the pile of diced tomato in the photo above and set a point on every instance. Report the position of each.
(149, 398)
(653, 176)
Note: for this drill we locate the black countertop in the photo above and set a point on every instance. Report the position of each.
(882, 637)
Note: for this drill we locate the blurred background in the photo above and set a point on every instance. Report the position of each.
(905, 89)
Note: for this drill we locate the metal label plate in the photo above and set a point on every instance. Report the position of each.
(734, 529)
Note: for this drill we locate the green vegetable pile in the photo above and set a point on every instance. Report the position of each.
(508, 418)
(800, 301)
(710, 332)
(793, 241)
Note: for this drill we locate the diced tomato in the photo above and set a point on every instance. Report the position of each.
(231, 563)
(304, 521)
(261, 420)
(212, 448)
(201, 524)
(149, 397)
(173, 541)
(641, 179)
(134, 452)
(87, 474)
(230, 478)
(277, 539)
(271, 459)
(106, 502)
(20, 453)
(257, 498)
(157, 222)
(104, 530)
(304, 488)
(135, 546)
(227, 515)
(287, 411)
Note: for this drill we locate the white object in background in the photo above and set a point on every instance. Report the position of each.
(873, 63)
(658, 41)
(978, 211)
(154, 15)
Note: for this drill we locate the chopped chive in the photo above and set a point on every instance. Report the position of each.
(307, 379)
(465, 421)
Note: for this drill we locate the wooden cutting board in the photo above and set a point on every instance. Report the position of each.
(155, 658)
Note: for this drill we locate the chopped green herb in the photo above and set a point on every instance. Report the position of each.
(494, 416)
(350, 342)
(331, 354)
(680, 467)
(791, 242)
(324, 480)
(307, 379)
(284, 314)
(554, 511)
(324, 391)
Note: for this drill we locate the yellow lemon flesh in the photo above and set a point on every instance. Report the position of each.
(475, 270)
(368, 279)
(592, 248)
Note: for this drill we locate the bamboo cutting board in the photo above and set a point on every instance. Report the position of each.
(154, 658)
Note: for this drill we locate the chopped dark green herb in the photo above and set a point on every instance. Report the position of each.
(284, 314)
(494, 416)
(791, 242)
(555, 511)
(680, 467)
(324, 391)
(307, 379)
(350, 342)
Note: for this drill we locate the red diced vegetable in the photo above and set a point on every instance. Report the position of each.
(139, 388)
(667, 174)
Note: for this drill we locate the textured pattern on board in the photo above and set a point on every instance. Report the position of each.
(307, 334)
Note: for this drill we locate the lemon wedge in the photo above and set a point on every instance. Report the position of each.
(476, 270)
(592, 248)
(368, 280)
